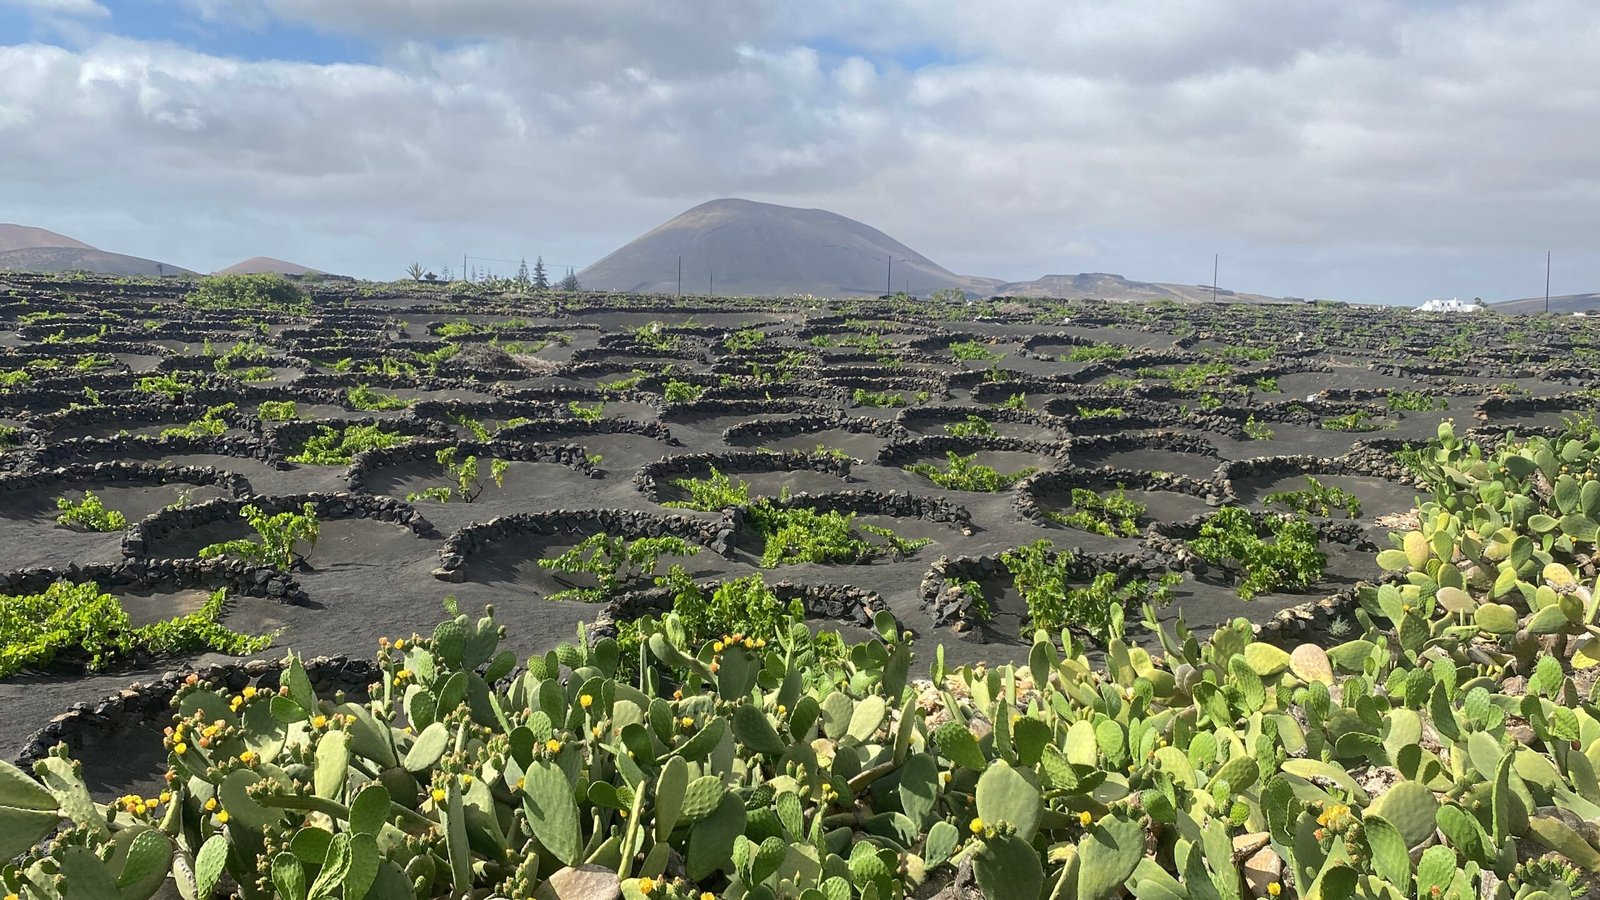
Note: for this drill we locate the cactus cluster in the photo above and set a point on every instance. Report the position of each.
(1447, 749)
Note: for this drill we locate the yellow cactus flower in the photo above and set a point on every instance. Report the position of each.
(319, 722)
(166, 797)
(438, 795)
(717, 647)
(553, 745)
(248, 692)
(586, 701)
(400, 643)
(647, 886)
(686, 721)
(1086, 818)
(222, 817)
(976, 825)
(211, 804)
(247, 757)
(1274, 889)
(180, 748)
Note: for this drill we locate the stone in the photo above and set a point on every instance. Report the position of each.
(454, 576)
(1261, 870)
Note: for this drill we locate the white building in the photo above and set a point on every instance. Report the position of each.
(1453, 305)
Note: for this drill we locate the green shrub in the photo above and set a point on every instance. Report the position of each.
(212, 423)
(255, 293)
(365, 398)
(1041, 574)
(1286, 560)
(800, 535)
(90, 514)
(1189, 378)
(171, 385)
(744, 340)
(625, 383)
(277, 411)
(715, 491)
(614, 562)
(1101, 412)
(81, 624)
(1257, 430)
(1415, 401)
(469, 484)
(974, 426)
(972, 350)
(1016, 401)
(681, 392)
(879, 399)
(1316, 499)
(964, 473)
(1360, 421)
(582, 413)
(1097, 353)
(278, 540)
(332, 446)
(1113, 516)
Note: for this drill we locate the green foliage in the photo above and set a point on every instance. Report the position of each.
(469, 484)
(965, 473)
(1239, 353)
(366, 399)
(278, 541)
(277, 411)
(800, 535)
(80, 625)
(432, 359)
(591, 413)
(1286, 559)
(1112, 516)
(1097, 353)
(1359, 421)
(681, 392)
(332, 446)
(880, 399)
(90, 514)
(654, 336)
(10, 437)
(613, 562)
(16, 378)
(171, 385)
(625, 383)
(244, 352)
(714, 492)
(1268, 384)
(1042, 575)
(1101, 412)
(1256, 430)
(974, 426)
(1415, 401)
(1316, 499)
(744, 340)
(1016, 401)
(255, 293)
(1189, 378)
(212, 423)
(972, 350)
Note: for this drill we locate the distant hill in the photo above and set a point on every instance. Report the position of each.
(266, 265)
(74, 259)
(1566, 304)
(743, 247)
(1102, 286)
(25, 237)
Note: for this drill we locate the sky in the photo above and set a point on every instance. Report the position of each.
(1350, 149)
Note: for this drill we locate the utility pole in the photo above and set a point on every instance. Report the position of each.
(1547, 282)
(1214, 258)
(463, 267)
(680, 276)
(888, 280)
(711, 286)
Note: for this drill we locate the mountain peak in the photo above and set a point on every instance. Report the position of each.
(736, 246)
(27, 237)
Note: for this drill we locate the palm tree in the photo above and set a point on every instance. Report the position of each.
(416, 271)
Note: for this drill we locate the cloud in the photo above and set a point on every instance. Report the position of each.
(60, 7)
(1325, 148)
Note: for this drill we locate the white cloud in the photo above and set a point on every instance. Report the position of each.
(1324, 146)
(60, 7)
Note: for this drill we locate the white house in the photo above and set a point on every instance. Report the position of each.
(1453, 305)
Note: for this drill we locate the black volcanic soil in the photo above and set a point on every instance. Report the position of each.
(368, 579)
